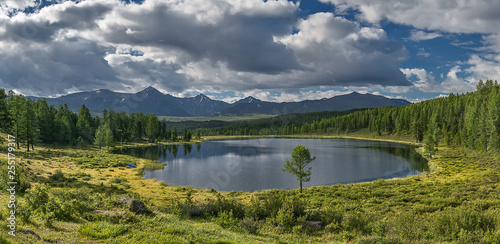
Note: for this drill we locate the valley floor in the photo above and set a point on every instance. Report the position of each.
(458, 202)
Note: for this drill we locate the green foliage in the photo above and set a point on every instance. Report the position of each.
(58, 204)
(226, 219)
(36, 121)
(290, 211)
(471, 120)
(20, 176)
(250, 225)
(301, 158)
(113, 218)
(58, 176)
(102, 230)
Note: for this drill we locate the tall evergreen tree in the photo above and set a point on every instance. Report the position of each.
(31, 123)
(84, 124)
(4, 112)
(17, 110)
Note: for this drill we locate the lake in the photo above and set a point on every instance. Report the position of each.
(255, 164)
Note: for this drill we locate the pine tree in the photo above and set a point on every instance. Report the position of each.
(430, 144)
(4, 112)
(174, 134)
(109, 138)
(31, 124)
(100, 137)
(17, 110)
(84, 124)
(493, 121)
(46, 121)
(301, 158)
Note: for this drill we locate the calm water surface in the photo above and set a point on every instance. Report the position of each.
(255, 164)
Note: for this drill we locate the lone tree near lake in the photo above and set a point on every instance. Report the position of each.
(301, 158)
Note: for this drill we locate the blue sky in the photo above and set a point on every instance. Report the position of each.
(275, 50)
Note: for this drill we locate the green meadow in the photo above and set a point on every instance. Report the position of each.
(458, 202)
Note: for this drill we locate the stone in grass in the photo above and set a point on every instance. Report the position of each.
(30, 232)
(314, 224)
(133, 205)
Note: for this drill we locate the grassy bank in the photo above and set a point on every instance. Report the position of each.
(458, 203)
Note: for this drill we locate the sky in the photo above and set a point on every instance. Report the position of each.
(274, 50)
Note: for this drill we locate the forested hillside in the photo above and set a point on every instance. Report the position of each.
(471, 120)
(33, 122)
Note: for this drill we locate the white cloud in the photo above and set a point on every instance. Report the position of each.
(473, 16)
(418, 35)
(336, 49)
(431, 19)
(451, 84)
(181, 46)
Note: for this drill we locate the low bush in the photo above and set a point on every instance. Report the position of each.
(102, 230)
(250, 225)
(114, 218)
(57, 204)
(20, 176)
(226, 219)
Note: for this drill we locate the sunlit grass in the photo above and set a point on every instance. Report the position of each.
(456, 202)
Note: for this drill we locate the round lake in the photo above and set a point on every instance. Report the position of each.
(255, 164)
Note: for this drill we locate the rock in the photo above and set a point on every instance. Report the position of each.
(314, 224)
(133, 205)
(278, 228)
(30, 232)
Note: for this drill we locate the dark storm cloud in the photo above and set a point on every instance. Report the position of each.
(245, 43)
(191, 45)
(55, 67)
(43, 27)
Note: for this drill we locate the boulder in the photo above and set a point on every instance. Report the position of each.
(133, 205)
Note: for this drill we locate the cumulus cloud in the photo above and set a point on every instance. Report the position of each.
(184, 46)
(431, 18)
(343, 53)
(474, 16)
(426, 82)
(418, 35)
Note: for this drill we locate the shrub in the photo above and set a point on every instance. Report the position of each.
(285, 216)
(331, 214)
(59, 204)
(226, 220)
(102, 230)
(114, 218)
(255, 210)
(224, 204)
(250, 225)
(20, 177)
(454, 221)
(118, 180)
(290, 211)
(356, 222)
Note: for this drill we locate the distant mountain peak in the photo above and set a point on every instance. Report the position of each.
(248, 99)
(151, 91)
(150, 100)
(202, 95)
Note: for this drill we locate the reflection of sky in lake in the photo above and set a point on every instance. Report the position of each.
(256, 164)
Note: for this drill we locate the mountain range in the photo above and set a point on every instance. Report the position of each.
(153, 101)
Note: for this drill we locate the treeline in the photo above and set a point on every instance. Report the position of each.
(34, 122)
(280, 125)
(471, 120)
